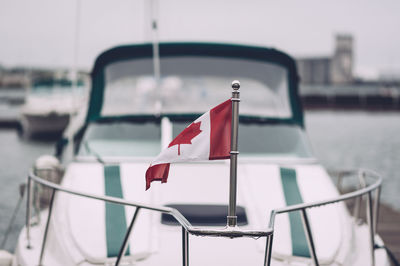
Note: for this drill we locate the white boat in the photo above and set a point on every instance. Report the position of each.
(289, 211)
(48, 110)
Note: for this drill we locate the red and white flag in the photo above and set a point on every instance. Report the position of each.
(207, 138)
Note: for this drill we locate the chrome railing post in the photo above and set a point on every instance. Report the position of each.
(371, 227)
(36, 191)
(28, 212)
(309, 237)
(46, 230)
(339, 181)
(268, 250)
(185, 247)
(124, 245)
(376, 208)
(362, 184)
(356, 210)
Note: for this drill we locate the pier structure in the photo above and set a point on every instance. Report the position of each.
(388, 226)
(365, 97)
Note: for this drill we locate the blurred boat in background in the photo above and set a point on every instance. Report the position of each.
(49, 106)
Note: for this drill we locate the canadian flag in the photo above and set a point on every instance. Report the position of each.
(207, 138)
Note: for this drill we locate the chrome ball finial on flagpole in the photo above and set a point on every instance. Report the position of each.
(235, 84)
(232, 218)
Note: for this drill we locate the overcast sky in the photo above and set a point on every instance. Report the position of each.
(43, 32)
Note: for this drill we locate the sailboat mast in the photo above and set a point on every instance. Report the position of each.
(156, 53)
(154, 31)
(74, 70)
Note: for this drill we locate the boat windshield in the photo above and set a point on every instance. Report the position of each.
(125, 139)
(193, 85)
(121, 139)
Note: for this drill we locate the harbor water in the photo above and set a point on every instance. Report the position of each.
(341, 140)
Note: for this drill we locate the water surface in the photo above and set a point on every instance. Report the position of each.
(346, 140)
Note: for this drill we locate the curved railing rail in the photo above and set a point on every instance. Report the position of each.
(364, 189)
(230, 232)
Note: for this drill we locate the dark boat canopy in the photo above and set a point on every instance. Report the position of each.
(191, 79)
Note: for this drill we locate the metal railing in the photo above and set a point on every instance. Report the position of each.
(230, 232)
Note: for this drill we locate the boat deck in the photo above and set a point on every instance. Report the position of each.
(389, 229)
(388, 226)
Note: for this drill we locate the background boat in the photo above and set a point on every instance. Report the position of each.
(50, 105)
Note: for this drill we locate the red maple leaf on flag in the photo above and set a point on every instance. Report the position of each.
(186, 136)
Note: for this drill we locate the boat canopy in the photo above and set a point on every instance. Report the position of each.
(192, 78)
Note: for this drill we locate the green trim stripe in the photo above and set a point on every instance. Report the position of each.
(293, 196)
(115, 213)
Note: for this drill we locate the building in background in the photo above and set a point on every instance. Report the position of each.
(326, 70)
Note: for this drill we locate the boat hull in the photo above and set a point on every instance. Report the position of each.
(42, 124)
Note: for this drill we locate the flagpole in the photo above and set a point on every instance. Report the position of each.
(232, 218)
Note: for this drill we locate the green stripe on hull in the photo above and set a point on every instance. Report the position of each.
(293, 196)
(115, 213)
